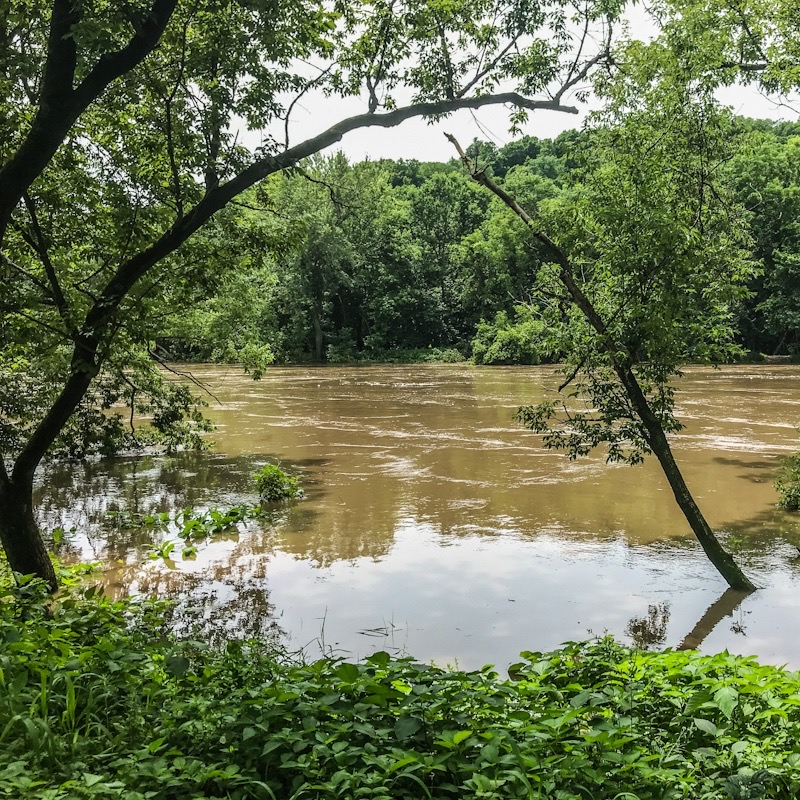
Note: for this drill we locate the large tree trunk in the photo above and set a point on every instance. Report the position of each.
(20, 534)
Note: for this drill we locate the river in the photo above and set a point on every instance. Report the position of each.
(434, 525)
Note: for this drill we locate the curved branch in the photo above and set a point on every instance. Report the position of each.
(86, 361)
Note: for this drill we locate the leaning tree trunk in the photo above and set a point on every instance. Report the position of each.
(659, 444)
(623, 367)
(19, 533)
(716, 553)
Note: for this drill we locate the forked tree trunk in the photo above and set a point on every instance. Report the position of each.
(19, 533)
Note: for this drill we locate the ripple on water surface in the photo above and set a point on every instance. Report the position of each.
(434, 525)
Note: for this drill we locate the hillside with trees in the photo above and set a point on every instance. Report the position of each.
(405, 260)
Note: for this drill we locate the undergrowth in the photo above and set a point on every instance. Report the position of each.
(98, 700)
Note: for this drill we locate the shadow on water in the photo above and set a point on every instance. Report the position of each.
(218, 611)
(754, 470)
(770, 537)
(650, 632)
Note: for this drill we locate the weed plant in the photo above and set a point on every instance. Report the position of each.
(98, 700)
(787, 483)
(274, 484)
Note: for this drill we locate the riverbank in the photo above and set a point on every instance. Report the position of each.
(100, 702)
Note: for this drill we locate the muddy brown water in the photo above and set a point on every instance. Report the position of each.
(435, 526)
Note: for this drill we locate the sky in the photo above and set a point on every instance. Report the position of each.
(425, 141)
(416, 138)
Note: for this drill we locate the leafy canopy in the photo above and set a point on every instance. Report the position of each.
(661, 252)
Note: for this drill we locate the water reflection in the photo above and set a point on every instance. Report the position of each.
(650, 632)
(433, 524)
(727, 604)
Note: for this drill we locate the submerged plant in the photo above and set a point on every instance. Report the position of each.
(275, 485)
(196, 527)
(787, 484)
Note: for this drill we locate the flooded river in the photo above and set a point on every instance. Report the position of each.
(434, 525)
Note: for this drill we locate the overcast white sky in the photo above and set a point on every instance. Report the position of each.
(416, 138)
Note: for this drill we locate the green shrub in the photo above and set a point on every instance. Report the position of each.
(446, 355)
(98, 701)
(787, 484)
(274, 484)
(342, 347)
(507, 342)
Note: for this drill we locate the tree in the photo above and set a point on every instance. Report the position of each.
(498, 262)
(644, 260)
(765, 175)
(118, 143)
(443, 210)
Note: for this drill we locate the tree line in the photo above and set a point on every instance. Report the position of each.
(404, 260)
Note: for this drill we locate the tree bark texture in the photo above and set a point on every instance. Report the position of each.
(19, 532)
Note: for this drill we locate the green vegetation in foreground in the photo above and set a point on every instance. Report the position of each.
(98, 701)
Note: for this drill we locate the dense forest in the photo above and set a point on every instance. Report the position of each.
(407, 260)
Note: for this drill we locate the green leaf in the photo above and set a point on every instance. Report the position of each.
(460, 736)
(706, 726)
(177, 665)
(726, 699)
(349, 673)
(406, 727)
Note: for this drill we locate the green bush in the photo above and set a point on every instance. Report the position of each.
(507, 342)
(787, 484)
(98, 701)
(275, 485)
(445, 355)
(342, 347)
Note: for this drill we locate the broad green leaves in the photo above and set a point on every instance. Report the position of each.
(98, 701)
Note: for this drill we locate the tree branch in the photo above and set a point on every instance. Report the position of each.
(86, 363)
(60, 105)
(41, 248)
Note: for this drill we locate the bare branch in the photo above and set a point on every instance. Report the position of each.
(180, 373)
(307, 88)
